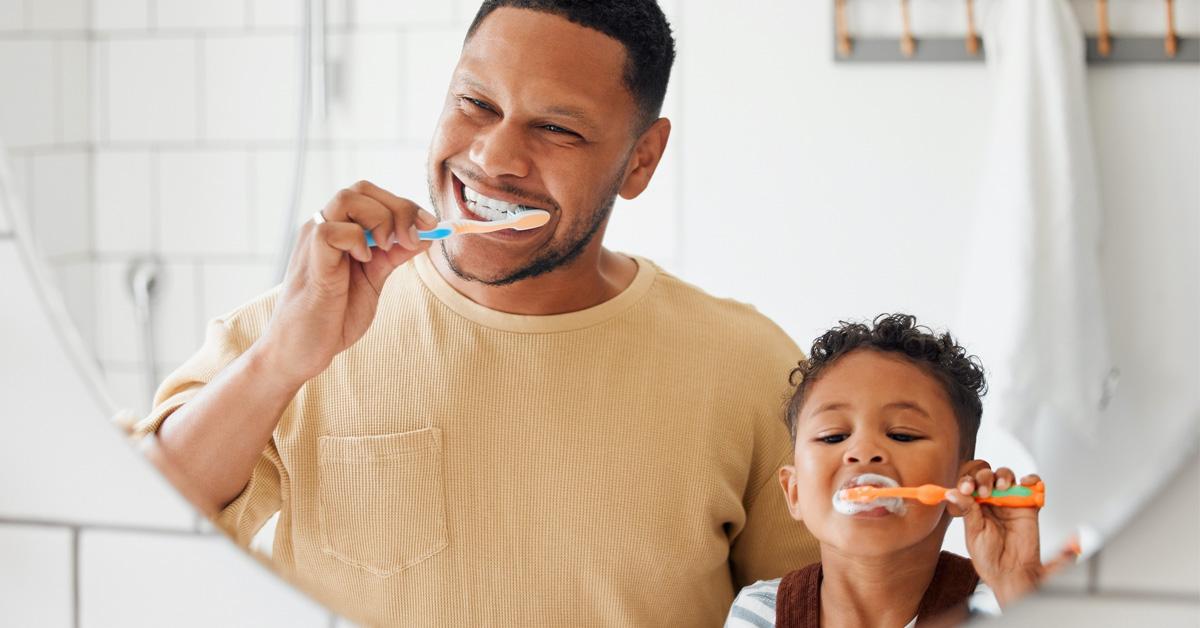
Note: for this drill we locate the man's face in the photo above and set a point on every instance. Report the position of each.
(536, 115)
(871, 413)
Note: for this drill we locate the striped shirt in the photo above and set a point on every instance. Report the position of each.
(754, 607)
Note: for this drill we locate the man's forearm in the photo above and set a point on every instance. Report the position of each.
(212, 443)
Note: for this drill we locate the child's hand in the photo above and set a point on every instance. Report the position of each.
(1002, 541)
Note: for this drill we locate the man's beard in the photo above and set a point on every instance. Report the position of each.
(546, 261)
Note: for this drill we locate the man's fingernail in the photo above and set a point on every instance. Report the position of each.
(416, 237)
(427, 218)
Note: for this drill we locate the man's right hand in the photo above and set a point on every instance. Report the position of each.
(334, 280)
(210, 445)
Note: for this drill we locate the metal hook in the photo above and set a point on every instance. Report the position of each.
(908, 45)
(1104, 38)
(844, 45)
(972, 36)
(1171, 41)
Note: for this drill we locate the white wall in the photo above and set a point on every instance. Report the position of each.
(143, 127)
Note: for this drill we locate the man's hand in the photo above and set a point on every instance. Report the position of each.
(209, 446)
(334, 279)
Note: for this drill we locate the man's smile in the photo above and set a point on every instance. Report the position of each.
(475, 204)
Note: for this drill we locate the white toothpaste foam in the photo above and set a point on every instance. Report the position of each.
(894, 505)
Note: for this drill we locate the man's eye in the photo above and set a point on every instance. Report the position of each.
(903, 438)
(554, 128)
(476, 103)
(833, 439)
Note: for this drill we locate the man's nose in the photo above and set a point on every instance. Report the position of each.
(865, 450)
(499, 150)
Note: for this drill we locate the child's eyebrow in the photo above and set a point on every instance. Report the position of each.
(907, 405)
(832, 405)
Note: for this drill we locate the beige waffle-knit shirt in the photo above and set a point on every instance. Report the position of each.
(460, 466)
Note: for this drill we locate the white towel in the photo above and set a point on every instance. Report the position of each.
(1033, 308)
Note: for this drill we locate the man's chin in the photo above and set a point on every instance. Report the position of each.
(480, 268)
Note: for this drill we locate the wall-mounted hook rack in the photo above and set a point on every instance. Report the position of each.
(1104, 48)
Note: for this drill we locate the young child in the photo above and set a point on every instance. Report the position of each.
(891, 405)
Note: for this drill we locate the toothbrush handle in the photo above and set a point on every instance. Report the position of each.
(441, 232)
(1016, 497)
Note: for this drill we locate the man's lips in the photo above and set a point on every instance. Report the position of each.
(460, 201)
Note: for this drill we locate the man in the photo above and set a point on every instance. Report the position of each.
(519, 428)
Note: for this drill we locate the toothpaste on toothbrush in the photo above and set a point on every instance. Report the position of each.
(846, 507)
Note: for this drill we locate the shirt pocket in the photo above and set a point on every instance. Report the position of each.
(383, 503)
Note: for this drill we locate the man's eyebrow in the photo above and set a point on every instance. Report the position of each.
(574, 114)
(470, 81)
(578, 115)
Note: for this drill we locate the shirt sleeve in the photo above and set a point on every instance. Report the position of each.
(771, 543)
(754, 606)
(224, 342)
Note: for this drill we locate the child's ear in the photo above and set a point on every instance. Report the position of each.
(787, 480)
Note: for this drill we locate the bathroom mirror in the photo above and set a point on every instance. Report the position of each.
(163, 155)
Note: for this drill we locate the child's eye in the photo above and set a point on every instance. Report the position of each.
(903, 438)
(832, 439)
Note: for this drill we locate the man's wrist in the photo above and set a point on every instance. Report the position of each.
(264, 366)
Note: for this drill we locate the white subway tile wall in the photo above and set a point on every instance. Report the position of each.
(28, 66)
(276, 13)
(326, 171)
(40, 593)
(429, 58)
(192, 15)
(226, 286)
(60, 203)
(12, 15)
(364, 87)
(380, 13)
(149, 90)
(124, 205)
(57, 15)
(110, 15)
(252, 85)
(202, 199)
(134, 579)
(73, 78)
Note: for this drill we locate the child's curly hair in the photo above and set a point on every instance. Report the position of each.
(961, 375)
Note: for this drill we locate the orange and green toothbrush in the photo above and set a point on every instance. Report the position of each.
(930, 494)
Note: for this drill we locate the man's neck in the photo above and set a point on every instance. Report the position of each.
(591, 279)
(876, 590)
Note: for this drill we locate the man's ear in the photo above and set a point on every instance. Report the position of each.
(647, 153)
(791, 493)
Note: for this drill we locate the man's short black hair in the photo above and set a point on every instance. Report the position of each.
(961, 375)
(639, 25)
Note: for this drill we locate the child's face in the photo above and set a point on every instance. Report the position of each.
(871, 413)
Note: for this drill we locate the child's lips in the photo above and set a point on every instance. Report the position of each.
(873, 513)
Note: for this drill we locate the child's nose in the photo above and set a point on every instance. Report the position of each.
(865, 452)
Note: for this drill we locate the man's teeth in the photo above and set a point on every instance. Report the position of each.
(489, 208)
